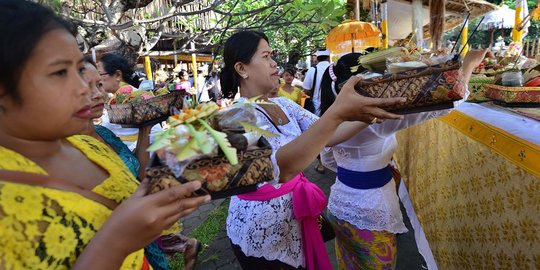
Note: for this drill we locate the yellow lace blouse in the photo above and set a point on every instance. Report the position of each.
(43, 228)
(295, 96)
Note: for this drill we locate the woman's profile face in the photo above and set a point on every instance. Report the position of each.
(55, 97)
(91, 76)
(110, 82)
(262, 68)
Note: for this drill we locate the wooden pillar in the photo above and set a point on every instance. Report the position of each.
(417, 22)
(436, 22)
(538, 47)
(533, 49)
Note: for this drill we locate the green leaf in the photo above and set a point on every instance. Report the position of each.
(199, 136)
(224, 144)
(188, 151)
(161, 140)
(257, 130)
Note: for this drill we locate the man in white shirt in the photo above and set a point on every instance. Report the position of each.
(323, 59)
(312, 80)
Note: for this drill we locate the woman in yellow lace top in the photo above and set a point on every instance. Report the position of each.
(287, 90)
(58, 191)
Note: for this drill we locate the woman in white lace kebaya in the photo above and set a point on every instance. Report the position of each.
(363, 205)
(268, 228)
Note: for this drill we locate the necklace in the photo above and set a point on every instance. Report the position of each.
(274, 113)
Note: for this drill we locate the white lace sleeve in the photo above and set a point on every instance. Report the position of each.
(327, 159)
(303, 117)
(391, 126)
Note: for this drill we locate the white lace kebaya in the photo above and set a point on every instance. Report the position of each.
(375, 209)
(267, 229)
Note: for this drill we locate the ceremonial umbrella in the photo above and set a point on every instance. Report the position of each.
(353, 36)
(504, 17)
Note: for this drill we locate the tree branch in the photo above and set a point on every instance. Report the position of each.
(106, 9)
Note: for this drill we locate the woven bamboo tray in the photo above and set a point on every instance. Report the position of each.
(514, 96)
(426, 89)
(144, 113)
(477, 89)
(219, 178)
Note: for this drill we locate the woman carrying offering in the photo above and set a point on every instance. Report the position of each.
(276, 227)
(363, 205)
(153, 252)
(66, 200)
(119, 80)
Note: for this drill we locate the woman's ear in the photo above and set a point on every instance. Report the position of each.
(240, 68)
(118, 76)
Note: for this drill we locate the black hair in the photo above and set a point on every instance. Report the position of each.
(290, 70)
(182, 73)
(23, 24)
(343, 72)
(240, 47)
(321, 58)
(113, 62)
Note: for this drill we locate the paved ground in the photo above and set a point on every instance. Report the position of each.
(220, 256)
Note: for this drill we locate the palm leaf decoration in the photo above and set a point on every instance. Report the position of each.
(161, 140)
(224, 144)
(257, 130)
(188, 151)
(257, 100)
(200, 138)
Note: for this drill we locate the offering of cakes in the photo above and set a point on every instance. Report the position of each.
(223, 149)
(428, 81)
(489, 66)
(132, 107)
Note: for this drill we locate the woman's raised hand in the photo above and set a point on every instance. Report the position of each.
(140, 219)
(472, 60)
(351, 106)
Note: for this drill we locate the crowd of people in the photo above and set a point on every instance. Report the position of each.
(73, 194)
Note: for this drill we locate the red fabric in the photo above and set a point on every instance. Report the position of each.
(145, 264)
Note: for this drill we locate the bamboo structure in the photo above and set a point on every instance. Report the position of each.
(418, 23)
(436, 22)
(531, 48)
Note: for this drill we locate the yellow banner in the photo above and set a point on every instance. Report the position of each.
(474, 190)
(522, 153)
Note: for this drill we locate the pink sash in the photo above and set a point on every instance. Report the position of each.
(308, 203)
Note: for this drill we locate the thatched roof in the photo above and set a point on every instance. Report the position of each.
(456, 11)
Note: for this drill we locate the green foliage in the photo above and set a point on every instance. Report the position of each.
(295, 29)
(205, 233)
(55, 5)
(482, 38)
